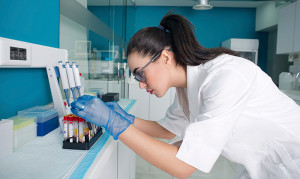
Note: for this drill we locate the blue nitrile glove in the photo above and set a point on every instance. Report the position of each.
(94, 110)
(115, 106)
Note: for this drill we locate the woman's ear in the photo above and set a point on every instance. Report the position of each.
(166, 57)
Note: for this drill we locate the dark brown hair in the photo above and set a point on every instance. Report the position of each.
(178, 33)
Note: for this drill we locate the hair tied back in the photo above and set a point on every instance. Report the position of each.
(161, 27)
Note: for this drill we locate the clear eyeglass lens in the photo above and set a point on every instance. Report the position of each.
(140, 77)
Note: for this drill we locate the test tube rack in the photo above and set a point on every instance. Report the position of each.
(82, 146)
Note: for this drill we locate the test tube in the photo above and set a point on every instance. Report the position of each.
(90, 128)
(71, 128)
(81, 130)
(93, 130)
(76, 131)
(87, 131)
(65, 128)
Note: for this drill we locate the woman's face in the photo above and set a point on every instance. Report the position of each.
(156, 73)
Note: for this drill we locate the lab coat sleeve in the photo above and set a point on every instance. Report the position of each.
(222, 99)
(175, 120)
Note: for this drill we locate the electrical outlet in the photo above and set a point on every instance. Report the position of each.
(14, 54)
(22, 54)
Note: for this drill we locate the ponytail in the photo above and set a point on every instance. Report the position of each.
(177, 32)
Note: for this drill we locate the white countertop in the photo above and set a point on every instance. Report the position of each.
(43, 157)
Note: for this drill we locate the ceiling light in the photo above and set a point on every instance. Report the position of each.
(202, 5)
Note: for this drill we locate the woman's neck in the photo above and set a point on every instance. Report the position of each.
(179, 76)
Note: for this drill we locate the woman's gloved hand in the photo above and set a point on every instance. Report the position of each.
(94, 110)
(115, 106)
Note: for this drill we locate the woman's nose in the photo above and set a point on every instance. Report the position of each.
(142, 85)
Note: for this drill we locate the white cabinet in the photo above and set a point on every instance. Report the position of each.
(126, 157)
(148, 106)
(126, 162)
(266, 16)
(288, 39)
(115, 160)
(297, 29)
(159, 106)
(142, 97)
(106, 162)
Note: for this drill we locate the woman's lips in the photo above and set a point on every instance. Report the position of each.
(150, 91)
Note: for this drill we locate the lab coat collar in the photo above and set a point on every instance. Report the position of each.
(188, 98)
(196, 78)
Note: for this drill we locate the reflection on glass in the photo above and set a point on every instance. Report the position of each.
(99, 45)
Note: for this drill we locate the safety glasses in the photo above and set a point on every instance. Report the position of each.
(139, 75)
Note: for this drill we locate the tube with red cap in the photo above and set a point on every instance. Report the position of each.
(71, 128)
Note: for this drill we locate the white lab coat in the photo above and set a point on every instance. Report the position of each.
(231, 107)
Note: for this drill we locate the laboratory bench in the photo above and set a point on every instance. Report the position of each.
(43, 157)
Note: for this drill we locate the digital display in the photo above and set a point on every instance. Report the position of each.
(18, 53)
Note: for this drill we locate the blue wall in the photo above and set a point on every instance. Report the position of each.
(212, 26)
(34, 21)
(113, 17)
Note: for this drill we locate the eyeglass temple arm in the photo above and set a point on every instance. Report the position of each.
(150, 62)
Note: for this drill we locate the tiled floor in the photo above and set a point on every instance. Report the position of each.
(223, 169)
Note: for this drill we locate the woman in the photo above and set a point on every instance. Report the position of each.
(224, 104)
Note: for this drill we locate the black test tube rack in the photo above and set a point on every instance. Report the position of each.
(82, 146)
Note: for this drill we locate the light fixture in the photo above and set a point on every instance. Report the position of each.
(202, 5)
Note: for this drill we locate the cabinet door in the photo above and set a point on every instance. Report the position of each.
(105, 165)
(297, 29)
(286, 27)
(159, 106)
(126, 162)
(142, 100)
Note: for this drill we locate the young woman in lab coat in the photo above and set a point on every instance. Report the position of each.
(224, 105)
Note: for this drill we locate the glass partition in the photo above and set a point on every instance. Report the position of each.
(94, 33)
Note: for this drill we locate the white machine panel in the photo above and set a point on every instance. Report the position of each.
(18, 54)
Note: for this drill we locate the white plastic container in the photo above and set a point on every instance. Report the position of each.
(24, 130)
(24, 135)
(6, 133)
(286, 81)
